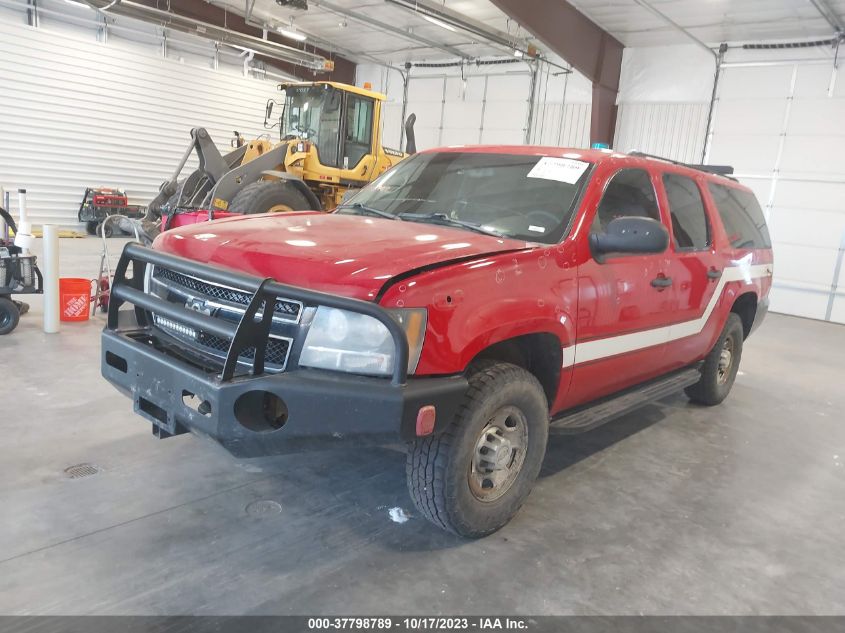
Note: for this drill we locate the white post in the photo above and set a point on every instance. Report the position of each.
(4, 230)
(50, 270)
(23, 238)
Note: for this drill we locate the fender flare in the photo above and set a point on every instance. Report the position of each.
(300, 185)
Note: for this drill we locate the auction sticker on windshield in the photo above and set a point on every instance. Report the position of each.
(562, 169)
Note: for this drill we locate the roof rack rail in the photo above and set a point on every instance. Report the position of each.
(720, 170)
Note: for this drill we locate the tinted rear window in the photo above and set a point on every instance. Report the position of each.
(689, 222)
(742, 217)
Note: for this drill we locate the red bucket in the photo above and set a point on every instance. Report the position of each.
(74, 299)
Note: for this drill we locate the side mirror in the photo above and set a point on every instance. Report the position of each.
(268, 111)
(630, 235)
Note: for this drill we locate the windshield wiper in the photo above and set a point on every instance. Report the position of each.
(371, 210)
(442, 218)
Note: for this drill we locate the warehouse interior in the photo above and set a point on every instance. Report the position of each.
(673, 509)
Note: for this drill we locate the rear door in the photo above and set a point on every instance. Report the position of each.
(624, 302)
(693, 265)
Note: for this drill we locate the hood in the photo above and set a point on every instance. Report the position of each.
(349, 255)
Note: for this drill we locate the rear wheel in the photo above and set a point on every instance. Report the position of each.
(108, 228)
(269, 196)
(472, 478)
(9, 315)
(91, 227)
(720, 365)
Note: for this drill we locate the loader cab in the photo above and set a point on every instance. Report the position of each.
(340, 124)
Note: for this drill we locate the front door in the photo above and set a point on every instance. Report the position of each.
(357, 137)
(624, 301)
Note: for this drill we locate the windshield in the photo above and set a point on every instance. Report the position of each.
(519, 196)
(313, 113)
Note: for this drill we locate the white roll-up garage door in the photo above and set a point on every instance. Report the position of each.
(783, 129)
(76, 113)
(486, 108)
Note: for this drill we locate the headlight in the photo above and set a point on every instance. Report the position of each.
(359, 344)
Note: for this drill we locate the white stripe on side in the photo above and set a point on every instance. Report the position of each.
(624, 343)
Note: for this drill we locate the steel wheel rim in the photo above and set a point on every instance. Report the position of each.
(279, 208)
(498, 454)
(726, 357)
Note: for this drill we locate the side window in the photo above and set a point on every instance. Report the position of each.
(359, 130)
(690, 229)
(628, 193)
(742, 217)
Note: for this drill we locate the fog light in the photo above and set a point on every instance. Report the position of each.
(425, 420)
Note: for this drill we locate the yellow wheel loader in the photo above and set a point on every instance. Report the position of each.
(330, 142)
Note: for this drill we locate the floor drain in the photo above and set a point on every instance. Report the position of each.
(81, 470)
(263, 508)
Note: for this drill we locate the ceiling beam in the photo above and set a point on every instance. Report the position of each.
(648, 7)
(593, 51)
(439, 13)
(358, 16)
(829, 14)
(344, 69)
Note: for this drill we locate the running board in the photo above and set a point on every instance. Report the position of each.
(589, 416)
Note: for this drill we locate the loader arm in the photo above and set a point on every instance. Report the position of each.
(212, 167)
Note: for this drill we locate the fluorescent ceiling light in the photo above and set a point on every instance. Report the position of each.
(294, 35)
(439, 23)
(79, 4)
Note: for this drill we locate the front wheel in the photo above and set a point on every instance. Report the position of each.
(472, 478)
(718, 372)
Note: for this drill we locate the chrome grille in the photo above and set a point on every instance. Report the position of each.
(283, 308)
(276, 353)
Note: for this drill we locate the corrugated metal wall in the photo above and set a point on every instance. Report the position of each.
(562, 125)
(673, 130)
(77, 113)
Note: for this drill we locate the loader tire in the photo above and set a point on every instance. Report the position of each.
(269, 196)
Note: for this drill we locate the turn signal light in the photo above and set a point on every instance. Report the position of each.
(425, 420)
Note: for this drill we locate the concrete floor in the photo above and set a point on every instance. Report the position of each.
(676, 509)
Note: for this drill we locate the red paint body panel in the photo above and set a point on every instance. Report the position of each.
(346, 254)
(194, 217)
(480, 290)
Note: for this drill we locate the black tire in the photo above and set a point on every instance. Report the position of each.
(264, 195)
(91, 227)
(9, 315)
(109, 228)
(440, 469)
(716, 378)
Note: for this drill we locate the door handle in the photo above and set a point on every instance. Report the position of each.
(713, 273)
(661, 282)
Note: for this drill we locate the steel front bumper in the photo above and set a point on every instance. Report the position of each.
(236, 401)
(322, 407)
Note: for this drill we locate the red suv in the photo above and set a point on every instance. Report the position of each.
(465, 301)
